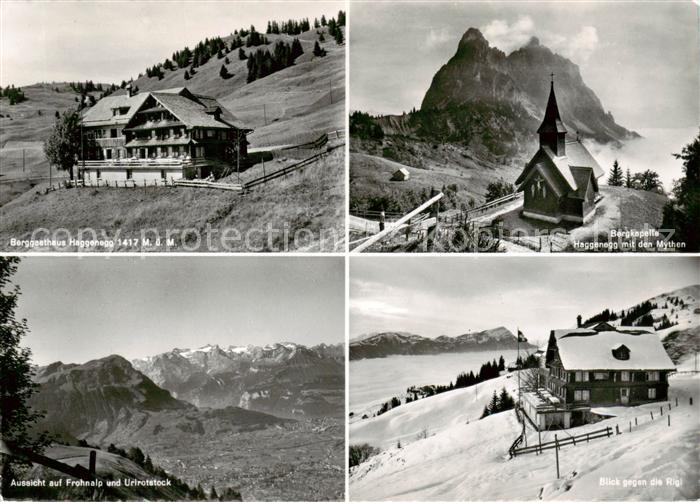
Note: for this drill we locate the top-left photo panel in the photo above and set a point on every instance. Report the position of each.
(156, 126)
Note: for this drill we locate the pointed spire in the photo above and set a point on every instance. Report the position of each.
(552, 121)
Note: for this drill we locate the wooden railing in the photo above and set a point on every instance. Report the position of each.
(288, 169)
(77, 471)
(140, 163)
(208, 184)
(558, 443)
(494, 203)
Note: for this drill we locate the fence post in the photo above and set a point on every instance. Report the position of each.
(556, 453)
(676, 401)
(691, 401)
(93, 461)
(652, 415)
(669, 420)
(434, 213)
(630, 425)
(607, 431)
(669, 406)
(635, 421)
(617, 429)
(539, 440)
(661, 409)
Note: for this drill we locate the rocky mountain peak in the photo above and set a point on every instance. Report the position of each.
(479, 75)
(471, 36)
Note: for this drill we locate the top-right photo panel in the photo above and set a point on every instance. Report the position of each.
(524, 127)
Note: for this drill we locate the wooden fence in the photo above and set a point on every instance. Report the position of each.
(208, 184)
(288, 169)
(77, 471)
(400, 223)
(111, 184)
(558, 443)
(493, 204)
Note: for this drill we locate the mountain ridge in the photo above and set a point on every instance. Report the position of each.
(283, 379)
(394, 343)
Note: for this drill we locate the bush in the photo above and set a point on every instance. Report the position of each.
(497, 189)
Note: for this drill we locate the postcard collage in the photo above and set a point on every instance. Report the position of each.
(349, 250)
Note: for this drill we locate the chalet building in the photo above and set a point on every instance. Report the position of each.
(560, 183)
(159, 135)
(597, 366)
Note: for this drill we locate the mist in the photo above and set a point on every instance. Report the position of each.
(654, 150)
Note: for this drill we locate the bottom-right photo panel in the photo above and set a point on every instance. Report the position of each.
(484, 378)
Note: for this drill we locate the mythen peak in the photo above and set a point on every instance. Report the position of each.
(471, 36)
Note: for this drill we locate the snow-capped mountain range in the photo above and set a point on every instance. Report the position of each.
(399, 343)
(285, 379)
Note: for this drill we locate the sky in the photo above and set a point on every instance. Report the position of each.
(110, 41)
(452, 295)
(80, 309)
(641, 59)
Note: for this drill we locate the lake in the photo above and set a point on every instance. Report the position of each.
(374, 381)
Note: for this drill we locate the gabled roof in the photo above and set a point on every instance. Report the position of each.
(101, 112)
(194, 113)
(587, 349)
(553, 179)
(552, 121)
(578, 156)
(193, 110)
(574, 168)
(545, 157)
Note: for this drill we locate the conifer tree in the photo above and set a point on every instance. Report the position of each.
(615, 179)
(16, 385)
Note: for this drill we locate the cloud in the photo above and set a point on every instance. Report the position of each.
(510, 37)
(577, 48)
(584, 43)
(437, 37)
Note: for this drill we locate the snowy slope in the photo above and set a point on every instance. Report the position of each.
(463, 461)
(685, 316)
(433, 414)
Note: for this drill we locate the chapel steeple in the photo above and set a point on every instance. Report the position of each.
(552, 131)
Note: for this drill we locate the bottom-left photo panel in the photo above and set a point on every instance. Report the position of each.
(172, 378)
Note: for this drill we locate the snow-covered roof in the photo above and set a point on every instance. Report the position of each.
(586, 349)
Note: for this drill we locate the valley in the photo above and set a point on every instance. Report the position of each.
(216, 444)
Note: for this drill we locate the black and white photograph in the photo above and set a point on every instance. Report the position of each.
(488, 378)
(524, 126)
(215, 126)
(171, 378)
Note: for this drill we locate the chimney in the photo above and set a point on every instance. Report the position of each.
(578, 321)
(129, 89)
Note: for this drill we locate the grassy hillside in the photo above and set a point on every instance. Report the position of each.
(429, 165)
(32, 120)
(309, 203)
(297, 103)
(291, 106)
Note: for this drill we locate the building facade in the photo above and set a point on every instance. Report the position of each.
(560, 183)
(159, 136)
(598, 366)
